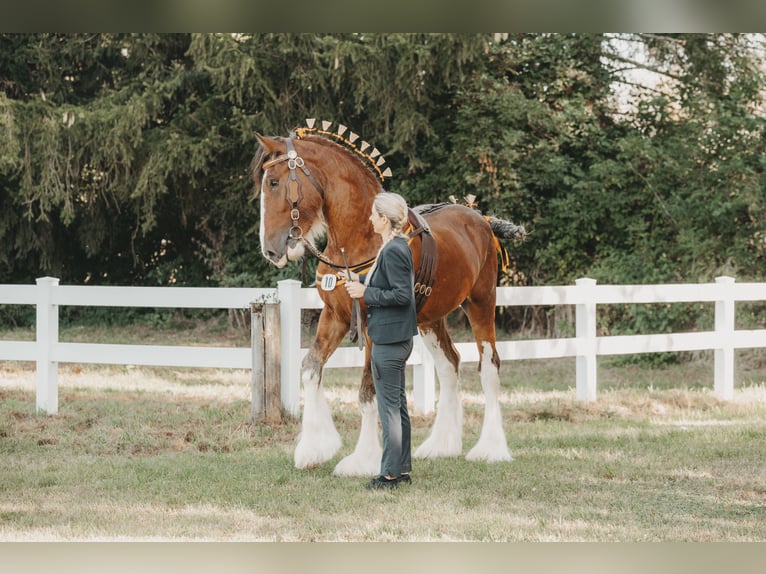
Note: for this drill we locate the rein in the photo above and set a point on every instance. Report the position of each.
(294, 195)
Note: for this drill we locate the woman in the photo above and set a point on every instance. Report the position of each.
(391, 323)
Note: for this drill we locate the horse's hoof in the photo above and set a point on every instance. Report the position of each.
(485, 454)
(356, 465)
(304, 464)
(311, 453)
(430, 449)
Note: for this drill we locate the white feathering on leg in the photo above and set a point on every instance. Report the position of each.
(446, 438)
(319, 440)
(365, 460)
(492, 445)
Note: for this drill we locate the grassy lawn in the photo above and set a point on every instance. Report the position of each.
(170, 454)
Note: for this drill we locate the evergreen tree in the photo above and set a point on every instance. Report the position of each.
(124, 157)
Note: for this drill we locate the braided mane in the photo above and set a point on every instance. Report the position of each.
(372, 159)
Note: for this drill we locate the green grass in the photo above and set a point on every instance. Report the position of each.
(656, 457)
(162, 453)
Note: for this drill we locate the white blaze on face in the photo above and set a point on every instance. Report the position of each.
(262, 230)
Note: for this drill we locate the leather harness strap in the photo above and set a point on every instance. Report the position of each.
(424, 276)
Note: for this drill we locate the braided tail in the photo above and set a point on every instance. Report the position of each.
(506, 230)
(503, 229)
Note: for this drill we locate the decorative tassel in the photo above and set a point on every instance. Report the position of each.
(351, 142)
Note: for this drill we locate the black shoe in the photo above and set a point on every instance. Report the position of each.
(404, 478)
(381, 482)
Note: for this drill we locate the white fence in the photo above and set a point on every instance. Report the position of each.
(47, 351)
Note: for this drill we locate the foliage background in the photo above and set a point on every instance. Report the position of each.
(124, 157)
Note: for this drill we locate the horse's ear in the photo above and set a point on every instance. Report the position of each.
(269, 145)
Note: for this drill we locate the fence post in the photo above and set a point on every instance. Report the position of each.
(47, 335)
(585, 325)
(289, 294)
(266, 375)
(258, 373)
(723, 384)
(424, 383)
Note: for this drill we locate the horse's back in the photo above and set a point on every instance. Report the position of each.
(459, 230)
(465, 255)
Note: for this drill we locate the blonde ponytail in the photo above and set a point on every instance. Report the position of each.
(394, 207)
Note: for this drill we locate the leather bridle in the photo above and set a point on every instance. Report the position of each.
(294, 196)
(293, 186)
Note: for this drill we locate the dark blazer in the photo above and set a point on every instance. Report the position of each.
(390, 295)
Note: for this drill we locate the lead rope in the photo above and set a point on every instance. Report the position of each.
(355, 329)
(316, 253)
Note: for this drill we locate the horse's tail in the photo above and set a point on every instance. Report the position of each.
(504, 229)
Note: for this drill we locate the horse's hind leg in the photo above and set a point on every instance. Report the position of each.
(492, 445)
(446, 438)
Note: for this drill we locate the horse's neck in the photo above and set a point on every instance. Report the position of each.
(347, 216)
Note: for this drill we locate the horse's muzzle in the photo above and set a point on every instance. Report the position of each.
(293, 250)
(274, 253)
(275, 259)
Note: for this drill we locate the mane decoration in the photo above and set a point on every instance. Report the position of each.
(373, 158)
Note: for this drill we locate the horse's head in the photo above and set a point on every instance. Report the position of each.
(291, 199)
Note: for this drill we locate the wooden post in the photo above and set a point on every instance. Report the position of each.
(257, 381)
(266, 388)
(273, 362)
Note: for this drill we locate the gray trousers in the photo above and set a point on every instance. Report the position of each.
(388, 364)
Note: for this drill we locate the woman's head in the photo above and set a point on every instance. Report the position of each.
(391, 207)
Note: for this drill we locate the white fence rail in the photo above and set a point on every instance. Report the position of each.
(47, 351)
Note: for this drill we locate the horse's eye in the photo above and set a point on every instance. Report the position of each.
(273, 183)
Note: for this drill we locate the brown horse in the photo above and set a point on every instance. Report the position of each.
(311, 186)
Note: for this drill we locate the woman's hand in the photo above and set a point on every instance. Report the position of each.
(355, 289)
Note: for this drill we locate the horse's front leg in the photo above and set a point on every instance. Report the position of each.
(318, 440)
(365, 460)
